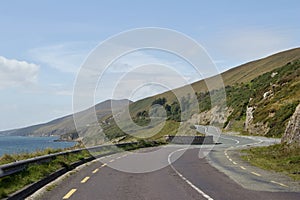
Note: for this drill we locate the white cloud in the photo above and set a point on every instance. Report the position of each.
(66, 57)
(15, 73)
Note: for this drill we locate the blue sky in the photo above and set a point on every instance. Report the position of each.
(44, 43)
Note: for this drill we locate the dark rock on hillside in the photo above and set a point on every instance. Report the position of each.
(71, 136)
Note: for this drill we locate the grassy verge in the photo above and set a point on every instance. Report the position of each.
(35, 172)
(279, 157)
(9, 158)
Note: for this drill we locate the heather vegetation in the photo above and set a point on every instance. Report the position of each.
(273, 95)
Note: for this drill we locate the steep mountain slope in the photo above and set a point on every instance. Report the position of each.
(264, 105)
(241, 74)
(261, 97)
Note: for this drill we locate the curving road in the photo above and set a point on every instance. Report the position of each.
(198, 172)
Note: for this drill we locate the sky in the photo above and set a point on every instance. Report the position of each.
(43, 44)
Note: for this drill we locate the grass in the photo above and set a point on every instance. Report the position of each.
(9, 158)
(170, 127)
(273, 111)
(279, 121)
(51, 187)
(35, 172)
(279, 158)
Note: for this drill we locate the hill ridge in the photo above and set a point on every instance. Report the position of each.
(237, 75)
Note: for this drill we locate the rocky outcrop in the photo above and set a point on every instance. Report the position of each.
(258, 128)
(70, 136)
(292, 131)
(249, 117)
(214, 116)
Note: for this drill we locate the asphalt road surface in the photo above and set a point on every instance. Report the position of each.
(175, 172)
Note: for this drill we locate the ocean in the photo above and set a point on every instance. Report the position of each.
(21, 144)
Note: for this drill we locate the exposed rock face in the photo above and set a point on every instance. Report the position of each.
(71, 136)
(249, 116)
(292, 131)
(254, 128)
(259, 128)
(213, 116)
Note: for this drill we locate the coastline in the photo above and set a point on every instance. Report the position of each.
(30, 144)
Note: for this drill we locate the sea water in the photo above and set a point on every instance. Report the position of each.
(22, 144)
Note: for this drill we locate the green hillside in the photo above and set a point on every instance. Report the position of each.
(245, 87)
(276, 76)
(272, 98)
(241, 74)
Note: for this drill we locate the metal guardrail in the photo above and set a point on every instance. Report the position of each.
(12, 168)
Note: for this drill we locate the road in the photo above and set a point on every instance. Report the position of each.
(187, 174)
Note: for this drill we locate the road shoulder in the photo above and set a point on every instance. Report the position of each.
(229, 161)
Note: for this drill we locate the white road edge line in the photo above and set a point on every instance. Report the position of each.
(256, 174)
(185, 179)
(281, 184)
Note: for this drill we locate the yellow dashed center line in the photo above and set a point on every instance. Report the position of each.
(69, 194)
(281, 184)
(234, 163)
(103, 165)
(256, 174)
(95, 171)
(112, 160)
(85, 179)
(242, 167)
(230, 159)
